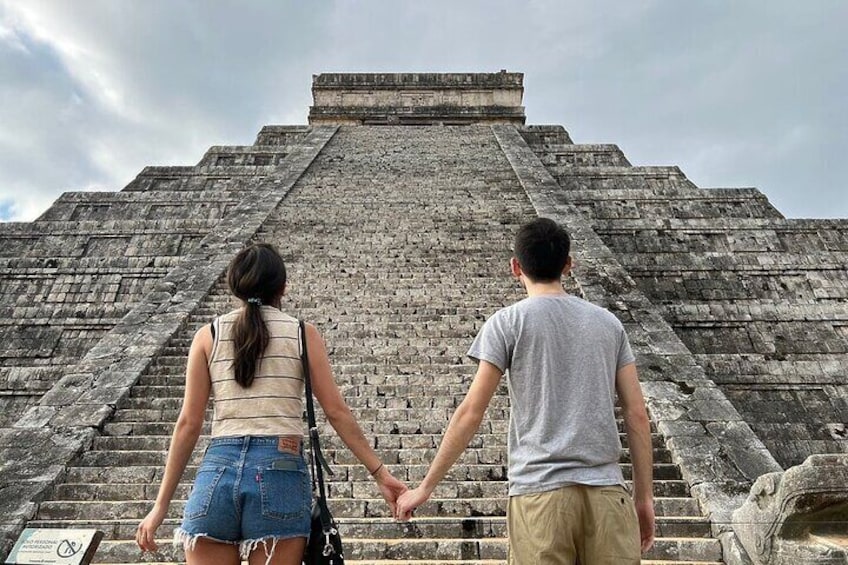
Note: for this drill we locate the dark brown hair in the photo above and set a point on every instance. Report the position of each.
(542, 247)
(256, 275)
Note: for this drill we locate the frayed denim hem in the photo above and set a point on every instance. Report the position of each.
(189, 541)
(247, 546)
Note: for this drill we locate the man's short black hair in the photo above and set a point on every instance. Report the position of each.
(542, 249)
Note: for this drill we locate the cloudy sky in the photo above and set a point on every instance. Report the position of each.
(736, 93)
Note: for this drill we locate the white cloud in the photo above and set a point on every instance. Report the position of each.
(98, 89)
(78, 46)
(9, 37)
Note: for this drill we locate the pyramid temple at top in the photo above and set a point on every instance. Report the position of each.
(395, 208)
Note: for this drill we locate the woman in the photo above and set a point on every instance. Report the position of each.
(251, 497)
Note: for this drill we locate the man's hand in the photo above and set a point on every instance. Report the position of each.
(410, 501)
(645, 513)
(390, 488)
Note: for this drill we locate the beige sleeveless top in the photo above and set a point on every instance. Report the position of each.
(273, 404)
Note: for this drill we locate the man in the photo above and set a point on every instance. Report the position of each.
(567, 359)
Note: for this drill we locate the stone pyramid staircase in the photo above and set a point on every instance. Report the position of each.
(395, 239)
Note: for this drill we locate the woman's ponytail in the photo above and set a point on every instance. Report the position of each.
(250, 338)
(257, 275)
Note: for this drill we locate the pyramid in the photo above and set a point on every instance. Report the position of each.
(394, 209)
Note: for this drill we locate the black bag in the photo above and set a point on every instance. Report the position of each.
(325, 543)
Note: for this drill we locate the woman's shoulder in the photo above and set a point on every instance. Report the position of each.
(229, 316)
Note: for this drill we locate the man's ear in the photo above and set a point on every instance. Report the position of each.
(567, 268)
(515, 267)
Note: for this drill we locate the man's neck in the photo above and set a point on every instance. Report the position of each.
(553, 288)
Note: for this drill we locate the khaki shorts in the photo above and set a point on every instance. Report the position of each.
(595, 525)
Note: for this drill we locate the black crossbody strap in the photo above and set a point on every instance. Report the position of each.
(332, 543)
(317, 461)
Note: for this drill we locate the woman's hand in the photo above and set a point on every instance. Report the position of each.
(390, 488)
(411, 500)
(145, 536)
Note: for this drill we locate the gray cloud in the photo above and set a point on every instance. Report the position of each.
(737, 95)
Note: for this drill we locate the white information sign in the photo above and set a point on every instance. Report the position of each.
(44, 546)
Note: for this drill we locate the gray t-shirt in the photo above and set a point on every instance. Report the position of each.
(561, 355)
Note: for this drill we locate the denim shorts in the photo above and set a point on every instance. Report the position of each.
(247, 491)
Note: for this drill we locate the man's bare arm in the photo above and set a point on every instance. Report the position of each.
(638, 428)
(462, 427)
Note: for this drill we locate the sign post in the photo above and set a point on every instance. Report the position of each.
(45, 546)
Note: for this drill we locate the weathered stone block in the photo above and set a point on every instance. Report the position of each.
(710, 405)
(36, 417)
(743, 449)
(799, 516)
(81, 416)
(732, 551)
(67, 390)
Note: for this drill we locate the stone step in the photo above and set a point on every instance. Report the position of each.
(111, 227)
(683, 195)
(418, 403)
(86, 265)
(401, 395)
(503, 562)
(135, 435)
(337, 489)
(651, 171)
(375, 371)
(331, 443)
(454, 488)
(407, 461)
(152, 471)
(384, 409)
(442, 562)
(371, 429)
(823, 227)
(163, 392)
(412, 549)
(393, 390)
(419, 361)
(583, 155)
(441, 414)
(342, 508)
(134, 474)
(388, 528)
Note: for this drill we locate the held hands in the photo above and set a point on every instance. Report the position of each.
(145, 535)
(411, 500)
(390, 488)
